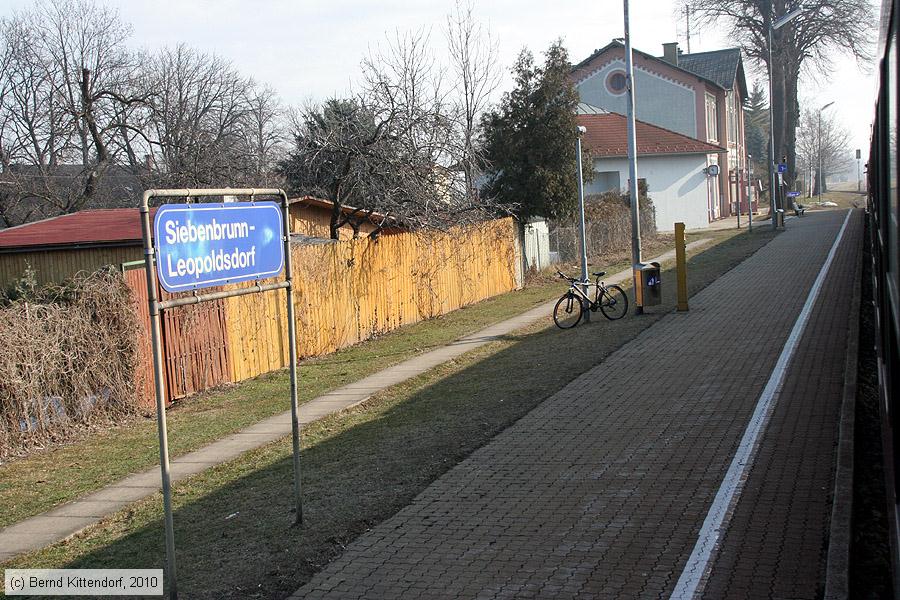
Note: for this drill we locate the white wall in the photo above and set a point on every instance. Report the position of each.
(676, 184)
(537, 244)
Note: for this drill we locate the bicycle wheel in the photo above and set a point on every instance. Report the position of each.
(614, 303)
(567, 311)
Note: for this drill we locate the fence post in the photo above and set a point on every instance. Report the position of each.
(681, 267)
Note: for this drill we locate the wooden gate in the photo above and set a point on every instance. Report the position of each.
(195, 354)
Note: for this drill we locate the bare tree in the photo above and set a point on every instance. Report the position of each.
(475, 66)
(391, 150)
(823, 29)
(85, 47)
(195, 125)
(830, 144)
(263, 134)
(67, 90)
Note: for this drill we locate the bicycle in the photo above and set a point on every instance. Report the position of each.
(609, 299)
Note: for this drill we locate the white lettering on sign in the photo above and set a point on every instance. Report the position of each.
(183, 234)
(212, 262)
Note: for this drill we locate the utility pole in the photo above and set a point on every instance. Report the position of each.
(687, 19)
(633, 187)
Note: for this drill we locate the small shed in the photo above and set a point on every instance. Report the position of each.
(59, 247)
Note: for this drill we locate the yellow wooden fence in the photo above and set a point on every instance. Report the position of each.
(352, 290)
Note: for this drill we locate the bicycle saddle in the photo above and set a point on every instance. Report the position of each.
(600, 274)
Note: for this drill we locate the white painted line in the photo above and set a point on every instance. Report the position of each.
(696, 570)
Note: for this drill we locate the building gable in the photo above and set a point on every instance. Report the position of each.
(665, 96)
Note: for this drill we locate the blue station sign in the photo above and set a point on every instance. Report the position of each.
(793, 194)
(205, 245)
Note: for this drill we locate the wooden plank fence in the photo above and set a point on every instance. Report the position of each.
(345, 292)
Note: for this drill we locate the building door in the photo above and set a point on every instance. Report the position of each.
(712, 183)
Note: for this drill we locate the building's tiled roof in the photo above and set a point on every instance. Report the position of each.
(720, 66)
(607, 137)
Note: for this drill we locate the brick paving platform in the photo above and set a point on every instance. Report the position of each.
(68, 519)
(602, 489)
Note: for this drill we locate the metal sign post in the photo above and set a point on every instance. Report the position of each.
(205, 245)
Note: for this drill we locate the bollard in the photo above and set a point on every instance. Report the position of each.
(681, 267)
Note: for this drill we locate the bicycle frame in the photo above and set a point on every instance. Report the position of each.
(575, 286)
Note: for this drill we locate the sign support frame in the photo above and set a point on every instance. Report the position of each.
(156, 308)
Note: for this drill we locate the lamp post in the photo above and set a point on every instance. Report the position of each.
(633, 191)
(819, 139)
(581, 228)
(773, 196)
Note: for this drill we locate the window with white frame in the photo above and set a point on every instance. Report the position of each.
(712, 119)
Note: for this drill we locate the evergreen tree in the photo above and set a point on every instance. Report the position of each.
(530, 139)
(756, 124)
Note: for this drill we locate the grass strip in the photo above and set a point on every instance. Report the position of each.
(104, 455)
(359, 467)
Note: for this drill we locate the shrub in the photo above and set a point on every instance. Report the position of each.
(607, 219)
(69, 357)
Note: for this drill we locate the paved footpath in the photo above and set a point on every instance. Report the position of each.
(603, 489)
(66, 520)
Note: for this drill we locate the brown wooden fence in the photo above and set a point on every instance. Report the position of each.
(345, 292)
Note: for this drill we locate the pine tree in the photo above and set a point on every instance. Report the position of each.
(756, 124)
(530, 139)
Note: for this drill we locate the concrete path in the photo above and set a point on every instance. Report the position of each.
(57, 524)
(608, 488)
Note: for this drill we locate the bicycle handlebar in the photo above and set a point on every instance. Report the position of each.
(572, 280)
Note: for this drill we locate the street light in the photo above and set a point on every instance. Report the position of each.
(777, 24)
(584, 265)
(819, 137)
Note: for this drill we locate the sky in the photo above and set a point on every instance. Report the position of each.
(309, 50)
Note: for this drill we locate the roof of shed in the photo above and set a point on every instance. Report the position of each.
(607, 136)
(110, 227)
(87, 227)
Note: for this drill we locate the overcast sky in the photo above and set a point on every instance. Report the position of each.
(311, 49)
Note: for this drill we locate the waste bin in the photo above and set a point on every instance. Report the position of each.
(648, 291)
(779, 218)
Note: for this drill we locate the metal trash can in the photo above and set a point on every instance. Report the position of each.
(779, 218)
(648, 291)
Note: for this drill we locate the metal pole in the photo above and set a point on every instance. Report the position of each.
(155, 337)
(773, 197)
(581, 229)
(820, 157)
(737, 193)
(292, 343)
(633, 187)
(750, 194)
(681, 267)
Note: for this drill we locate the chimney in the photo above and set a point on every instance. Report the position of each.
(670, 53)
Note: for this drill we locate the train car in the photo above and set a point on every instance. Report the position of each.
(884, 233)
